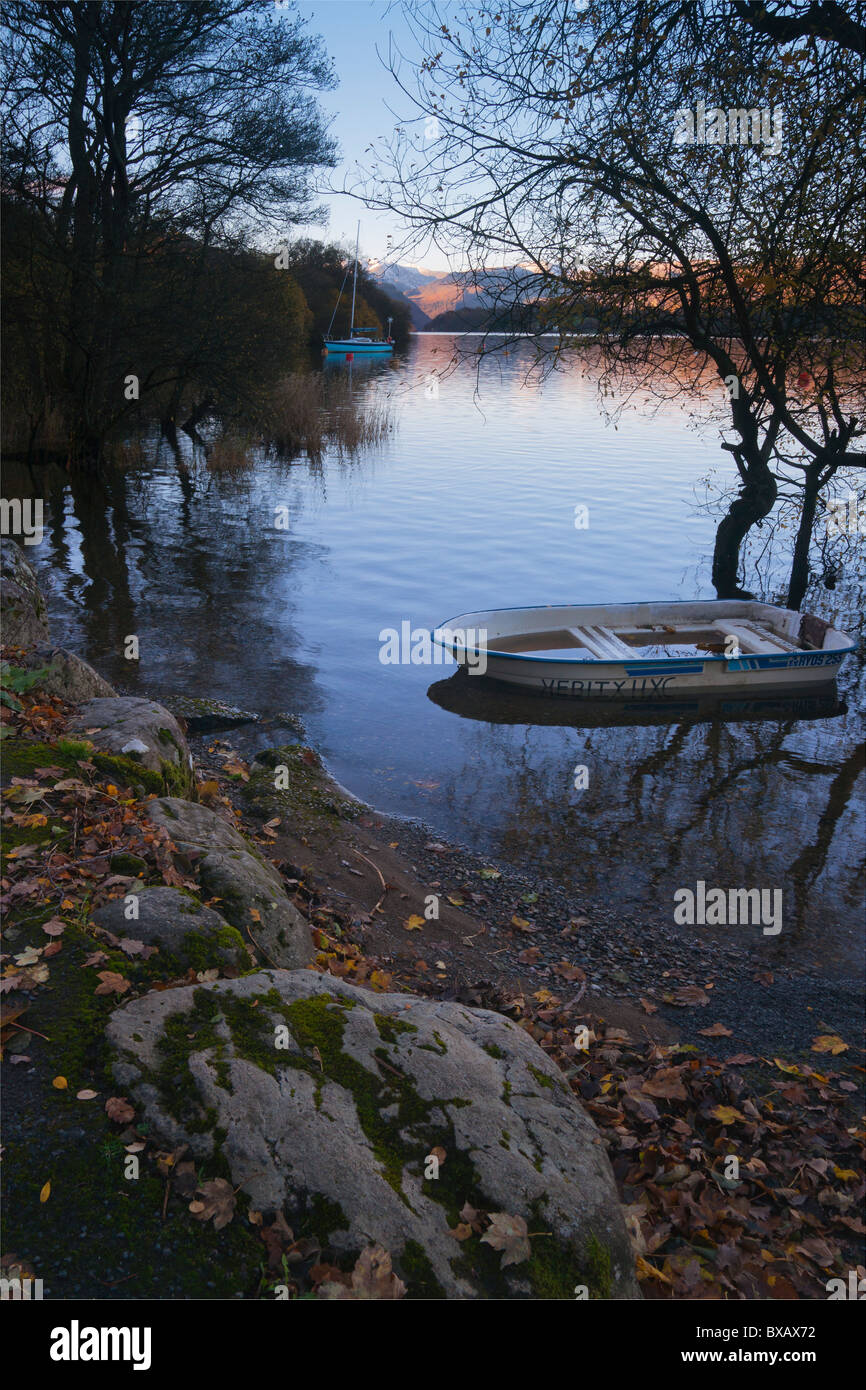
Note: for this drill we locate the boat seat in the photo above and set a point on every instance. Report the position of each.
(604, 644)
(753, 640)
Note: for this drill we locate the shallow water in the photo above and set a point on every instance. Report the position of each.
(471, 505)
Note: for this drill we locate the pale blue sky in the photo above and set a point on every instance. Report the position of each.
(352, 31)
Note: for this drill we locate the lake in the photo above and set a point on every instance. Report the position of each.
(470, 504)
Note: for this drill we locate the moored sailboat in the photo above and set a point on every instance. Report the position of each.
(357, 341)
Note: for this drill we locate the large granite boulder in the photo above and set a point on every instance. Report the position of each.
(23, 620)
(186, 933)
(385, 1119)
(251, 893)
(142, 734)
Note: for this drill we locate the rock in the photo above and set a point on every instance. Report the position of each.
(307, 797)
(140, 733)
(68, 675)
(185, 931)
(23, 608)
(338, 1126)
(205, 716)
(233, 871)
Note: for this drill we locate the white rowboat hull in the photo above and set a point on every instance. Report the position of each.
(647, 650)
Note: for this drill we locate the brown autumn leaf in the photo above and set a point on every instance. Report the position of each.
(118, 1109)
(130, 947)
(372, 1278)
(649, 1008)
(462, 1231)
(510, 1235)
(716, 1030)
(215, 1200)
(112, 983)
(666, 1084)
(96, 958)
(55, 926)
(567, 971)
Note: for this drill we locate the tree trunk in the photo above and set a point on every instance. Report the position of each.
(755, 500)
(799, 580)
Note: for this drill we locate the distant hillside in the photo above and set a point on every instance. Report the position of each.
(418, 318)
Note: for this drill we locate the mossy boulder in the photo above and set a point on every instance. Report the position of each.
(187, 933)
(316, 1094)
(202, 715)
(290, 782)
(142, 732)
(22, 608)
(250, 891)
(67, 675)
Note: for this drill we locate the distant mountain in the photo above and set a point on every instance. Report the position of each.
(402, 277)
(476, 298)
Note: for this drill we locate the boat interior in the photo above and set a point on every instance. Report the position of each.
(668, 635)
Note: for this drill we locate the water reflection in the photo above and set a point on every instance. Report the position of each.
(470, 504)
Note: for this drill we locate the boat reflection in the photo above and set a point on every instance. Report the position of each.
(494, 702)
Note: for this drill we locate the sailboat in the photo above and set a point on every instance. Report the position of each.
(357, 341)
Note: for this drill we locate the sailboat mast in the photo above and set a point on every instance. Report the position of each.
(355, 280)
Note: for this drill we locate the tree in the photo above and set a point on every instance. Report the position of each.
(688, 174)
(151, 132)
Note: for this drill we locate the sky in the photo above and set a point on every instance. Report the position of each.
(352, 31)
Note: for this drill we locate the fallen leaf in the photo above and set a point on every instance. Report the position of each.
(372, 1278)
(112, 983)
(216, 1201)
(46, 1192)
(413, 923)
(118, 1108)
(510, 1235)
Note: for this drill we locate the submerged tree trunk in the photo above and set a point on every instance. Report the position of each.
(755, 500)
(799, 580)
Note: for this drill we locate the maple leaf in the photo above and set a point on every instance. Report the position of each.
(215, 1200)
(112, 983)
(372, 1278)
(96, 958)
(510, 1235)
(118, 1108)
(130, 947)
(413, 923)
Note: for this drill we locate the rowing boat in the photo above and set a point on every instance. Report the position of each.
(646, 650)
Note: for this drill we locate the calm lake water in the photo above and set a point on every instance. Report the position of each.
(470, 504)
